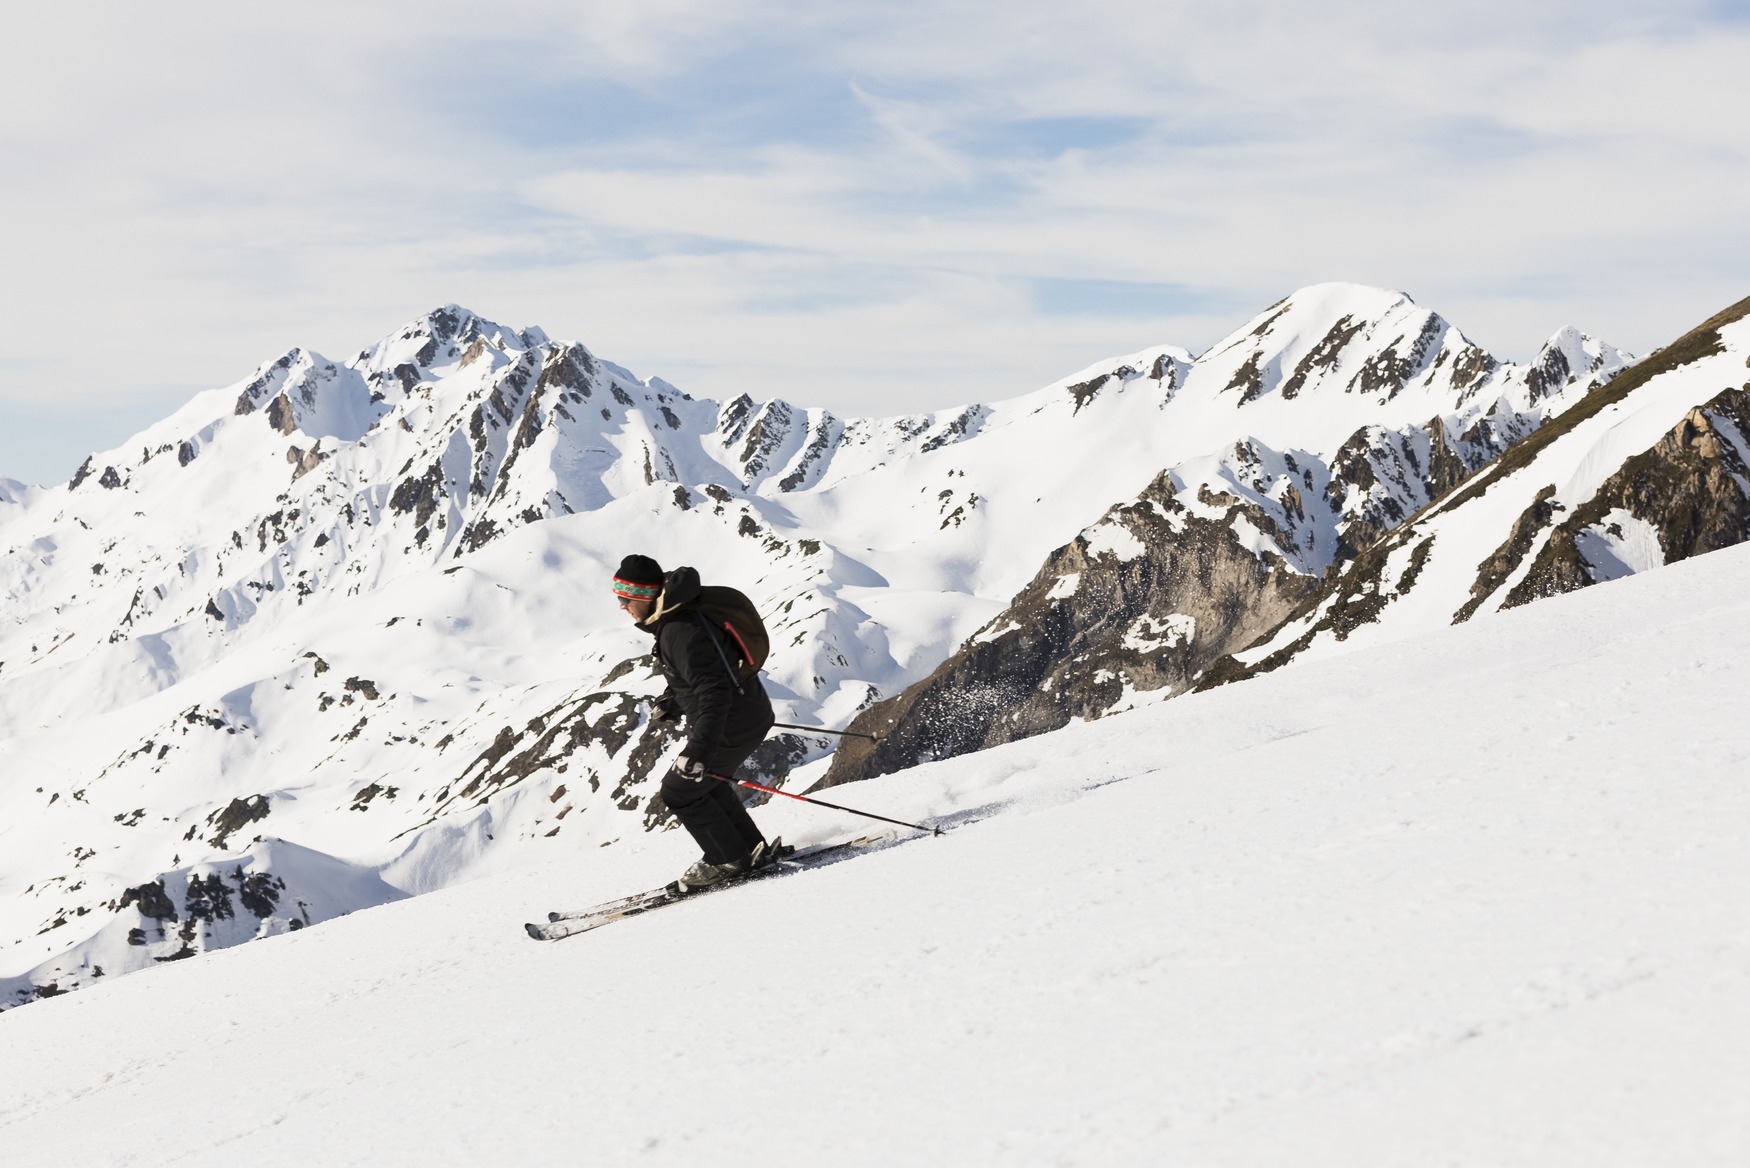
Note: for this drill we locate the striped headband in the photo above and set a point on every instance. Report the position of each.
(624, 587)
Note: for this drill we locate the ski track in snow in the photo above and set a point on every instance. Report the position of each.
(1477, 897)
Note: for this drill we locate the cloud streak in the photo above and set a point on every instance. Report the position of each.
(881, 209)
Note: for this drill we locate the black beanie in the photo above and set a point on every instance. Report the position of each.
(639, 577)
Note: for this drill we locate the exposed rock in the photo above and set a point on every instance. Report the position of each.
(259, 892)
(961, 425)
(1380, 478)
(154, 903)
(280, 415)
(548, 742)
(1388, 371)
(772, 762)
(826, 433)
(1093, 628)
(1323, 357)
(1085, 391)
(768, 435)
(1505, 560)
(1548, 373)
(1471, 369)
(261, 387)
(208, 899)
(420, 495)
(1249, 378)
(733, 418)
(235, 816)
(364, 687)
(1692, 489)
(304, 461)
(363, 799)
(478, 534)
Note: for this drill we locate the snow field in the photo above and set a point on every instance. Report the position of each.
(1472, 898)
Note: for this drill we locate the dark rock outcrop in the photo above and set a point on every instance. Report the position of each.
(235, 816)
(1692, 489)
(1097, 624)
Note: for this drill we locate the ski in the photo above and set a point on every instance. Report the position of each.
(568, 924)
(669, 891)
(606, 906)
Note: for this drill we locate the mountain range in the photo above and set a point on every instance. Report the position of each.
(339, 634)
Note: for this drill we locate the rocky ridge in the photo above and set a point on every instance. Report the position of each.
(1651, 470)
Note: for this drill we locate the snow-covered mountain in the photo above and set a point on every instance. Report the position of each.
(1288, 449)
(341, 630)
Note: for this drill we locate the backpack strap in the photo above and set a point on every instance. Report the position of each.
(721, 655)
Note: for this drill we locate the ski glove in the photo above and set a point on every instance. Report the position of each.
(690, 769)
(665, 709)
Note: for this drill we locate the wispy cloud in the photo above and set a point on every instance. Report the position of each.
(875, 208)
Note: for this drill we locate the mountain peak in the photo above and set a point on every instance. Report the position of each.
(304, 391)
(1316, 308)
(1569, 354)
(442, 337)
(1362, 340)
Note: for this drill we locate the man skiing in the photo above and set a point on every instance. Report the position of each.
(725, 720)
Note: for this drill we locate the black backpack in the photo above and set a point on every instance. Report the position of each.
(731, 614)
(730, 617)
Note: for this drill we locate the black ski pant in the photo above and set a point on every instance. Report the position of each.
(712, 811)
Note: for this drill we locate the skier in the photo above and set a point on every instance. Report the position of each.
(723, 726)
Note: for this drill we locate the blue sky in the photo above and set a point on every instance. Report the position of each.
(874, 208)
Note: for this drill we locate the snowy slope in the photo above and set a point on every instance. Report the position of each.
(357, 605)
(1460, 899)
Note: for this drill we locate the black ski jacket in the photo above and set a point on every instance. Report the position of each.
(723, 726)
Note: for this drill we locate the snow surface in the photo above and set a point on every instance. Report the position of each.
(1146, 634)
(1473, 897)
(1620, 546)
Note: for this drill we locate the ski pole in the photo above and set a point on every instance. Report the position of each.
(824, 730)
(824, 803)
